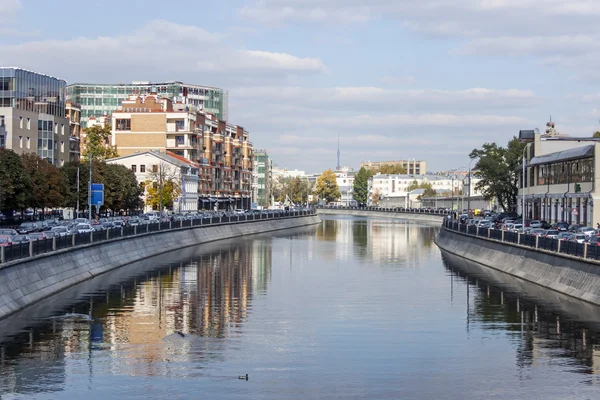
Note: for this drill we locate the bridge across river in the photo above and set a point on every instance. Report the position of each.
(414, 214)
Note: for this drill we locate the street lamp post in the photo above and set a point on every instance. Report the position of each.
(469, 195)
(523, 186)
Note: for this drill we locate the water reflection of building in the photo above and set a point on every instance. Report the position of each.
(380, 240)
(546, 330)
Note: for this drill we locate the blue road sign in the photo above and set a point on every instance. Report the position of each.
(97, 194)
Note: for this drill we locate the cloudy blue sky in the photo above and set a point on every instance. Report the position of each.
(426, 79)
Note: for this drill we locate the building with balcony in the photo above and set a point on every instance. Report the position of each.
(412, 167)
(98, 100)
(223, 151)
(73, 114)
(32, 108)
(561, 184)
(153, 166)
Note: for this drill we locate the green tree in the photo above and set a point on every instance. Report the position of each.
(498, 169)
(391, 169)
(15, 184)
(429, 190)
(97, 141)
(596, 134)
(121, 188)
(47, 183)
(361, 185)
(327, 188)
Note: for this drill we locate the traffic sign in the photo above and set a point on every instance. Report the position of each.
(97, 194)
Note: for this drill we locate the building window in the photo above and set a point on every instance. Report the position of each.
(134, 168)
(155, 168)
(142, 168)
(62, 146)
(20, 142)
(21, 122)
(28, 143)
(123, 124)
(179, 124)
(62, 129)
(29, 124)
(179, 140)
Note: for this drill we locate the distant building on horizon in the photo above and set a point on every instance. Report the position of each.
(262, 176)
(101, 100)
(412, 167)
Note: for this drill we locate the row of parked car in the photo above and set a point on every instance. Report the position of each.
(560, 230)
(40, 230)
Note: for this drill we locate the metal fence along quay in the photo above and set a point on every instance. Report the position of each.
(398, 210)
(590, 251)
(22, 250)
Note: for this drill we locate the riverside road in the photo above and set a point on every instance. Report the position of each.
(352, 308)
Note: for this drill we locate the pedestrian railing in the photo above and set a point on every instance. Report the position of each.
(590, 251)
(398, 210)
(22, 250)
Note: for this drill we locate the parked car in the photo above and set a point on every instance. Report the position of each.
(586, 230)
(27, 227)
(60, 231)
(594, 240)
(561, 226)
(564, 235)
(83, 228)
(37, 236)
(8, 232)
(535, 224)
(551, 233)
(5, 241)
(537, 231)
(20, 239)
(578, 237)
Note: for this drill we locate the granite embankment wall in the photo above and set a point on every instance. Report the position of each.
(25, 282)
(425, 218)
(573, 276)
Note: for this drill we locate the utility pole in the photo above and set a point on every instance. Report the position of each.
(160, 186)
(90, 189)
(77, 207)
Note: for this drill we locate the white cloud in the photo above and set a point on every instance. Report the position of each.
(158, 46)
(9, 8)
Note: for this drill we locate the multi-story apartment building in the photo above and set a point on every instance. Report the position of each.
(99, 100)
(154, 123)
(262, 176)
(32, 108)
(412, 167)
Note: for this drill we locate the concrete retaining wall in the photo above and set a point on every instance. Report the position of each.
(436, 219)
(565, 274)
(28, 281)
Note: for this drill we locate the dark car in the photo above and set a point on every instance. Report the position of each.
(504, 215)
(561, 226)
(594, 240)
(27, 227)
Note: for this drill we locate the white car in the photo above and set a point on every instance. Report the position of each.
(535, 224)
(83, 228)
(587, 231)
(578, 237)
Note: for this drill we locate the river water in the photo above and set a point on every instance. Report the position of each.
(350, 309)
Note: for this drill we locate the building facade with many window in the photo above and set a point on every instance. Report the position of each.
(561, 184)
(223, 151)
(262, 177)
(98, 100)
(412, 167)
(32, 113)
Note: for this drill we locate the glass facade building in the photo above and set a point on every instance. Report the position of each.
(30, 91)
(99, 100)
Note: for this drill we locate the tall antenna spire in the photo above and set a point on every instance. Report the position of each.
(339, 167)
